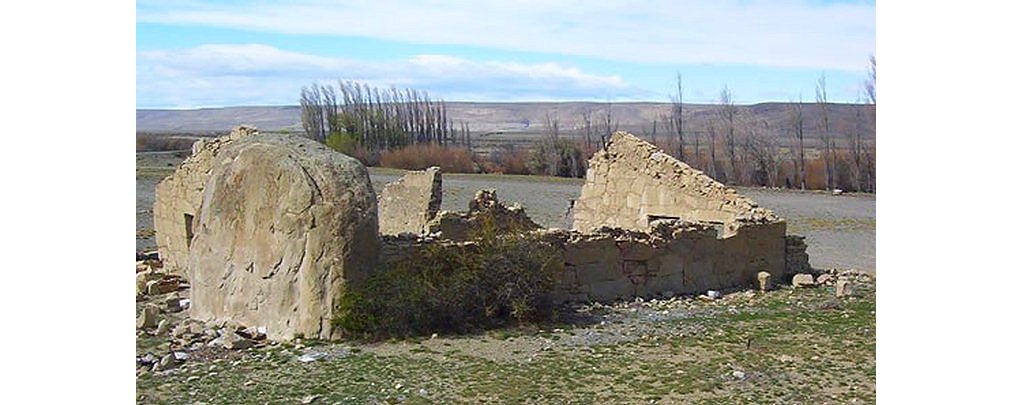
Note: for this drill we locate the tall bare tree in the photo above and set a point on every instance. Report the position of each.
(311, 104)
(551, 144)
(829, 144)
(728, 111)
(677, 111)
(763, 151)
(798, 126)
(653, 132)
(711, 132)
(868, 174)
(856, 145)
(586, 115)
(607, 123)
(869, 83)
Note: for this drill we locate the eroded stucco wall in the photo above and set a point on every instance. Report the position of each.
(178, 198)
(620, 264)
(604, 267)
(631, 182)
(409, 203)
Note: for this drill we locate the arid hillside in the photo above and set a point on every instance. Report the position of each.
(510, 117)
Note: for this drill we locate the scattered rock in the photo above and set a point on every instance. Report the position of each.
(163, 285)
(148, 319)
(163, 327)
(148, 359)
(168, 361)
(149, 255)
(764, 281)
(259, 333)
(738, 374)
(172, 304)
(843, 288)
(309, 399)
(713, 294)
(824, 279)
(145, 277)
(802, 280)
(311, 357)
(231, 341)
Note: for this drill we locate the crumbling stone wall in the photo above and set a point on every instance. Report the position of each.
(271, 230)
(409, 203)
(178, 198)
(283, 227)
(675, 257)
(797, 256)
(678, 258)
(631, 182)
(485, 214)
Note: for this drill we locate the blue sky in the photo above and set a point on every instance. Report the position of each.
(226, 53)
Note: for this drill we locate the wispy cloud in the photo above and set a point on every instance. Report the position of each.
(219, 75)
(781, 33)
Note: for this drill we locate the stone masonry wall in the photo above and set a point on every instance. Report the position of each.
(178, 198)
(631, 182)
(605, 267)
(676, 258)
(408, 203)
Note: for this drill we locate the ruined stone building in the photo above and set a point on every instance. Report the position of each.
(645, 223)
(270, 229)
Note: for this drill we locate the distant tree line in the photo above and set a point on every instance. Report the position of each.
(735, 146)
(356, 115)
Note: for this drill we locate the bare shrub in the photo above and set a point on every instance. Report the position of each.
(421, 156)
(497, 280)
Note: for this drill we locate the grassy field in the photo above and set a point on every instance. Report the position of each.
(785, 346)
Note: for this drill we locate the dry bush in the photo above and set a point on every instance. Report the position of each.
(421, 156)
(498, 280)
(815, 173)
(506, 160)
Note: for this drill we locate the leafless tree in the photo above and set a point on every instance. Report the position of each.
(855, 146)
(711, 132)
(677, 111)
(586, 115)
(311, 104)
(695, 156)
(607, 124)
(869, 83)
(551, 144)
(728, 111)
(763, 152)
(829, 145)
(374, 118)
(669, 128)
(653, 132)
(798, 126)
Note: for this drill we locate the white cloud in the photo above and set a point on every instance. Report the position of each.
(219, 75)
(782, 33)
